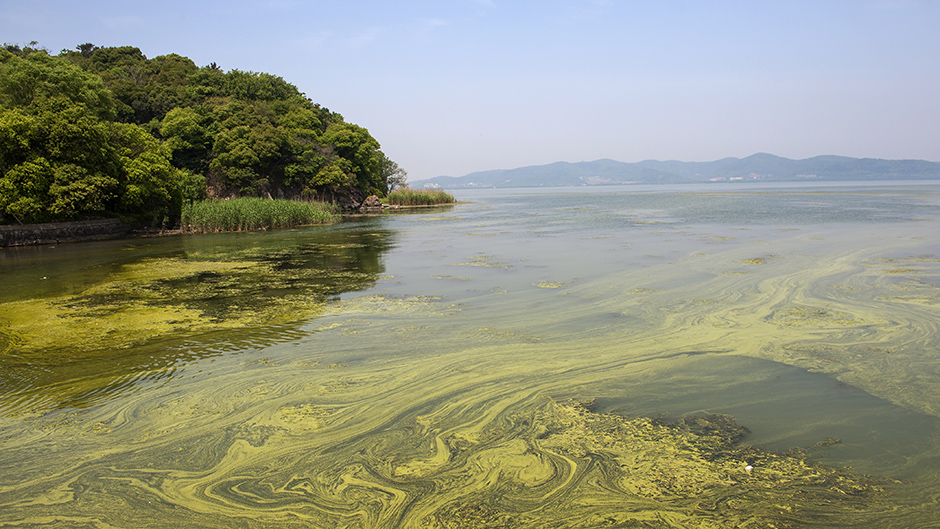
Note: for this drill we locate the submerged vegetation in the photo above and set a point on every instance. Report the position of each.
(242, 214)
(208, 289)
(101, 131)
(411, 197)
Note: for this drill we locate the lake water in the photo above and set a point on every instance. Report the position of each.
(431, 368)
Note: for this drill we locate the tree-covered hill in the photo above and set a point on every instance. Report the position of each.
(107, 131)
(759, 167)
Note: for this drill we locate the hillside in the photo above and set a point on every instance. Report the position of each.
(758, 167)
(108, 132)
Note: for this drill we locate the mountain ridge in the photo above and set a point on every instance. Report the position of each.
(756, 167)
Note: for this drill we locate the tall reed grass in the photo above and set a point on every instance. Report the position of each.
(243, 214)
(411, 197)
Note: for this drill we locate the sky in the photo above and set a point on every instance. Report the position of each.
(449, 87)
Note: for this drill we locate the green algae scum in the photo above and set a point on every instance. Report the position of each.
(700, 356)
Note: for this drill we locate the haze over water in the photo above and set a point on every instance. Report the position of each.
(416, 369)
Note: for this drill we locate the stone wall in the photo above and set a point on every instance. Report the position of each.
(56, 232)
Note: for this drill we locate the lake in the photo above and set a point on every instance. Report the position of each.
(634, 356)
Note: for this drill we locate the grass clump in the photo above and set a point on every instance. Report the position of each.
(411, 197)
(244, 214)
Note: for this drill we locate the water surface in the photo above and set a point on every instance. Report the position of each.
(417, 369)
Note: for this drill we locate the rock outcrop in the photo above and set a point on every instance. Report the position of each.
(371, 204)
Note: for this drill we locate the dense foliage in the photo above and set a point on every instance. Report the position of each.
(107, 131)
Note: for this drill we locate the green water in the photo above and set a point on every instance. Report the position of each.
(416, 369)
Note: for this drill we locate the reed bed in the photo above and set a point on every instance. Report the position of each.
(411, 197)
(245, 214)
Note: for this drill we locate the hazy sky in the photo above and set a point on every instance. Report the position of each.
(450, 87)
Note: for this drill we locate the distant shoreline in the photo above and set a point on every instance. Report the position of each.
(759, 167)
(763, 183)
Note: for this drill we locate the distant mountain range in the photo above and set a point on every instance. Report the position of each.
(757, 167)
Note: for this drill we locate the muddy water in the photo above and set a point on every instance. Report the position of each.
(432, 369)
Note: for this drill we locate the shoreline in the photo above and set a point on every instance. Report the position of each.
(18, 235)
(59, 232)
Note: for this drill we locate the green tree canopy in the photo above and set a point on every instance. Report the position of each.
(37, 76)
(107, 131)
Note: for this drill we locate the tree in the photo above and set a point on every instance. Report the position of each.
(86, 49)
(360, 150)
(187, 137)
(248, 149)
(252, 86)
(32, 47)
(392, 175)
(76, 190)
(167, 85)
(24, 190)
(38, 76)
(151, 186)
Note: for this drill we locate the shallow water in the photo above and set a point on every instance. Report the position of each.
(411, 369)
